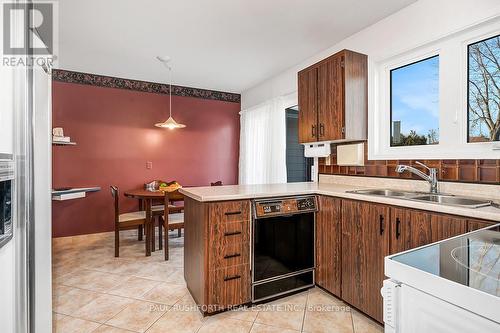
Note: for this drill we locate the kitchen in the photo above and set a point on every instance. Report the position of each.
(303, 174)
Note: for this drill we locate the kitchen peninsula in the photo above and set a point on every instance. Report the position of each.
(353, 234)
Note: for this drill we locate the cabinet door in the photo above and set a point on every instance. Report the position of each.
(409, 229)
(477, 224)
(365, 243)
(446, 226)
(328, 244)
(331, 99)
(308, 99)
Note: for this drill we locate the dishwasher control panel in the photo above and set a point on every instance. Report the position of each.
(285, 206)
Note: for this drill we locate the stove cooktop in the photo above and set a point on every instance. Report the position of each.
(472, 259)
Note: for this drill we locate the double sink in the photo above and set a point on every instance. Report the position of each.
(443, 199)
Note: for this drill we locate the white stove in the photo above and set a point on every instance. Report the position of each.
(449, 286)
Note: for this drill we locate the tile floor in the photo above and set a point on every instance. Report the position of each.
(95, 292)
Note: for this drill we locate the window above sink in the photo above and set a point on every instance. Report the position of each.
(440, 100)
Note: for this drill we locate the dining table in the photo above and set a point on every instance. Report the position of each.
(146, 198)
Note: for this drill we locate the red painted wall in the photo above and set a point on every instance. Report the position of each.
(115, 138)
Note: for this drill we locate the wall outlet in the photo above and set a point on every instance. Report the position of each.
(149, 165)
(328, 160)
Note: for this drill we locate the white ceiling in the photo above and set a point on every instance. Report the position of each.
(228, 45)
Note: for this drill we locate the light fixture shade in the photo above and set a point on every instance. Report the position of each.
(170, 123)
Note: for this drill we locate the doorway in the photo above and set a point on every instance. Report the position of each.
(298, 168)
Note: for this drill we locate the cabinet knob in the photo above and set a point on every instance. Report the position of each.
(313, 131)
(321, 129)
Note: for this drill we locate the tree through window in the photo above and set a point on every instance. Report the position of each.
(484, 90)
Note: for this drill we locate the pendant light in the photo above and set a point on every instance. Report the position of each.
(170, 123)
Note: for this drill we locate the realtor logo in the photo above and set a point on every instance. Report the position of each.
(38, 19)
(29, 33)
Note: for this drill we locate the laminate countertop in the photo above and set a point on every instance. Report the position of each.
(240, 192)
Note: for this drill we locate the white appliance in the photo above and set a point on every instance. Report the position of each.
(450, 286)
(316, 150)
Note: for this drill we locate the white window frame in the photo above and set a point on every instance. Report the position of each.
(453, 75)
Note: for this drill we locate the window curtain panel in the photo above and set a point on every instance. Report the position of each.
(263, 143)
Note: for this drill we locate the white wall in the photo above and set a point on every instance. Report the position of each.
(411, 27)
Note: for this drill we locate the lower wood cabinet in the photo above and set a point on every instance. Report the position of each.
(365, 243)
(217, 253)
(477, 224)
(369, 233)
(328, 244)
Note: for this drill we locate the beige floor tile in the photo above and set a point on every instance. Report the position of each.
(133, 287)
(72, 300)
(138, 316)
(177, 277)
(243, 313)
(363, 324)
(328, 319)
(59, 289)
(110, 329)
(218, 325)
(259, 328)
(188, 321)
(166, 293)
(66, 324)
(285, 313)
(102, 308)
(156, 272)
(93, 280)
(317, 296)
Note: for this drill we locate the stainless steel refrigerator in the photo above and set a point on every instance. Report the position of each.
(25, 146)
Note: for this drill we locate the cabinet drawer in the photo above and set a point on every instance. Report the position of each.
(229, 233)
(228, 286)
(229, 255)
(229, 211)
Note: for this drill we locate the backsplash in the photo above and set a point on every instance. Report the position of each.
(471, 171)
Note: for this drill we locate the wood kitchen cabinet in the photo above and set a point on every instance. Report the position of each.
(372, 231)
(365, 243)
(477, 224)
(332, 98)
(413, 228)
(328, 244)
(217, 253)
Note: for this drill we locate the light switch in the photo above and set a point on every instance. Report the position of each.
(328, 160)
(149, 165)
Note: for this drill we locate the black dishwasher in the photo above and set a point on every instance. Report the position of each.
(283, 237)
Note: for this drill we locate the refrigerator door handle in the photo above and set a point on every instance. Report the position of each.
(390, 292)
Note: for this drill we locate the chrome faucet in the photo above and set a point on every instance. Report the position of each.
(431, 177)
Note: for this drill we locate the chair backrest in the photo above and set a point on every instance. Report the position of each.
(166, 203)
(217, 183)
(115, 195)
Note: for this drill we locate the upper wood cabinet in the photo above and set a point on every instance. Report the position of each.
(333, 99)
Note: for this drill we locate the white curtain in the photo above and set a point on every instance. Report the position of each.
(263, 143)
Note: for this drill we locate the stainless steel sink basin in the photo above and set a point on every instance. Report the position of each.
(384, 193)
(443, 199)
(454, 201)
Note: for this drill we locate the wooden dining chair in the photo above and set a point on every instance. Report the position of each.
(125, 221)
(169, 221)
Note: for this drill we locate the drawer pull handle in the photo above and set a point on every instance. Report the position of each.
(381, 224)
(232, 233)
(238, 212)
(398, 227)
(234, 277)
(229, 256)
